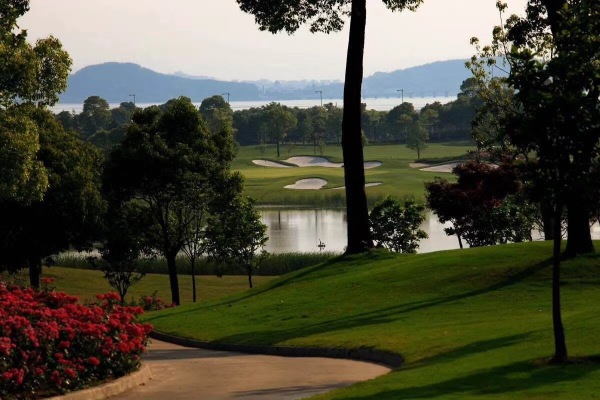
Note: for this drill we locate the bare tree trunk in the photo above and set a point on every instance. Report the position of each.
(249, 269)
(193, 262)
(359, 237)
(579, 237)
(173, 277)
(560, 345)
(35, 270)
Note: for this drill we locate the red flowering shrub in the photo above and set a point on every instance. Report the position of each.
(49, 344)
(153, 303)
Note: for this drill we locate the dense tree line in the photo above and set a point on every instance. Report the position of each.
(279, 124)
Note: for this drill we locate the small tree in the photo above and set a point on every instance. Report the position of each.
(417, 138)
(396, 226)
(236, 235)
(478, 205)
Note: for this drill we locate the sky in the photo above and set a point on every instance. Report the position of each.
(214, 38)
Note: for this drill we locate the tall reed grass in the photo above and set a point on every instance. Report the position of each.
(271, 265)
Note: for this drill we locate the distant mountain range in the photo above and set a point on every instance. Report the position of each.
(116, 81)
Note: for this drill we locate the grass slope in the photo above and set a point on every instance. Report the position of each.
(266, 184)
(85, 284)
(470, 323)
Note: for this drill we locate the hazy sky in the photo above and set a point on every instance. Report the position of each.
(214, 38)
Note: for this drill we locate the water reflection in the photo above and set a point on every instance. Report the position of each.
(300, 230)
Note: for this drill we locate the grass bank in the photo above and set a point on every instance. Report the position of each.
(471, 324)
(85, 284)
(397, 178)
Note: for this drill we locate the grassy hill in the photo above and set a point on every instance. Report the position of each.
(473, 323)
(266, 184)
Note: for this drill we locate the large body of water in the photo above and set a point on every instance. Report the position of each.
(378, 103)
(300, 231)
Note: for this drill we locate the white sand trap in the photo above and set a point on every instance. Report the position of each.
(307, 161)
(272, 164)
(444, 168)
(367, 185)
(308, 184)
(418, 165)
(372, 164)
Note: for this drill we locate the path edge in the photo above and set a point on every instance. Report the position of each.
(384, 358)
(112, 388)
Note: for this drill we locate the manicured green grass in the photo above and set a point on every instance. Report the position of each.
(85, 284)
(473, 323)
(266, 184)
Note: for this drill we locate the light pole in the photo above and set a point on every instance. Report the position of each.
(402, 93)
(133, 95)
(227, 93)
(321, 94)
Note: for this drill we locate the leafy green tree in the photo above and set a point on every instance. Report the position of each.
(217, 113)
(327, 16)
(95, 116)
(395, 226)
(399, 120)
(29, 74)
(276, 122)
(417, 138)
(553, 55)
(236, 235)
(70, 212)
(168, 162)
(122, 251)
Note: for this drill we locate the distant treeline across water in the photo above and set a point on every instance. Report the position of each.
(378, 104)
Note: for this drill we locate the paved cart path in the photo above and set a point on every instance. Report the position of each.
(182, 373)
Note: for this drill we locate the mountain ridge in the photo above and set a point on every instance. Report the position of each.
(116, 82)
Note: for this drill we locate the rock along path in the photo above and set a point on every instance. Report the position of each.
(182, 373)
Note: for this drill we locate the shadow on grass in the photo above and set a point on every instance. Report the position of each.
(374, 317)
(515, 377)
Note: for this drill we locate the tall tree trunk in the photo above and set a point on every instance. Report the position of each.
(359, 237)
(249, 269)
(35, 270)
(193, 262)
(547, 211)
(579, 237)
(170, 256)
(277, 140)
(560, 345)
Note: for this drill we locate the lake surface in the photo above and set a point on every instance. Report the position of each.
(301, 230)
(379, 103)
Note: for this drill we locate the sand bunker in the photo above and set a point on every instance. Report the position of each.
(418, 165)
(367, 185)
(308, 184)
(309, 161)
(272, 164)
(444, 168)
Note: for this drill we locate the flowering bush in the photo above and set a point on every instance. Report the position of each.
(153, 303)
(50, 344)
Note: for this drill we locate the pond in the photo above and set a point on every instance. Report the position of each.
(300, 231)
(292, 230)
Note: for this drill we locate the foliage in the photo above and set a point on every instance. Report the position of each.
(169, 163)
(49, 344)
(276, 123)
(478, 207)
(71, 210)
(236, 234)
(153, 302)
(395, 226)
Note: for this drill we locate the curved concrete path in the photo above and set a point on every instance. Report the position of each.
(183, 373)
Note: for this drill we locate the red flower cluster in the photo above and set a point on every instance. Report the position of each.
(51, 344)
(153, 303)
